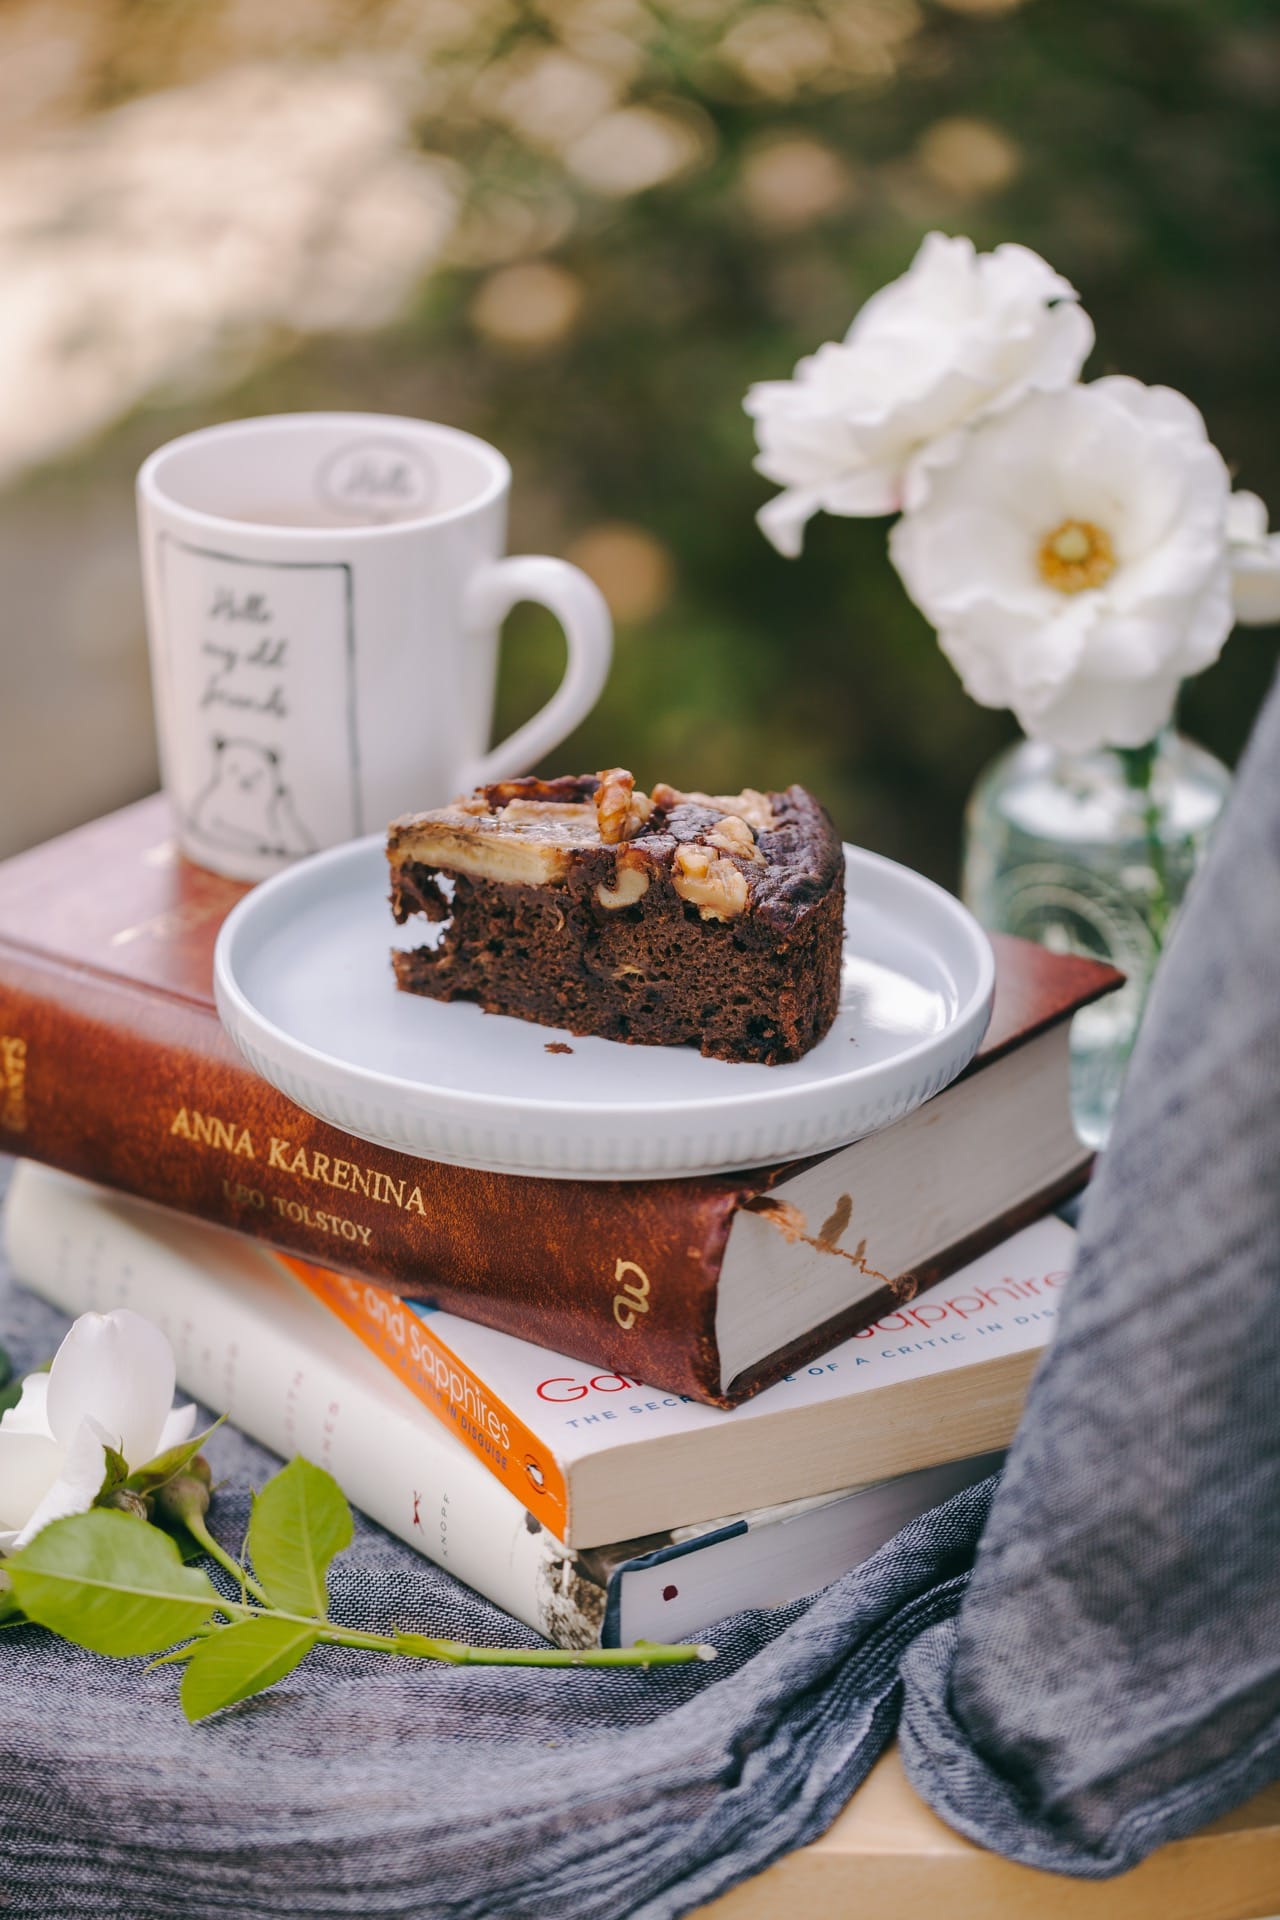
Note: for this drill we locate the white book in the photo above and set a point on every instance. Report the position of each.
(252, 1343)
(599, 1456)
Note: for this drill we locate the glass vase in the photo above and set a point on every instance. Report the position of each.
(1093, 853)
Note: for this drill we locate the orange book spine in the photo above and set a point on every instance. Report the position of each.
(446, 1386)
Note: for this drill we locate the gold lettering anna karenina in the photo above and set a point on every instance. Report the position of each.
(13, 1083)
(346, 1176)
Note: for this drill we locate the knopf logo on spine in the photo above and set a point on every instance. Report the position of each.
(632, 1298)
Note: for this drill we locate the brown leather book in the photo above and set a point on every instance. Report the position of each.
(113, 1065)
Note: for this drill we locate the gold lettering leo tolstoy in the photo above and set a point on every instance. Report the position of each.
(632, 1297)
(326, 1169)
(13, 1083)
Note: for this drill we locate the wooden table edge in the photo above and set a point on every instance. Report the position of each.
(887, 1856)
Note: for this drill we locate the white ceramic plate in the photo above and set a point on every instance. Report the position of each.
(306, 991)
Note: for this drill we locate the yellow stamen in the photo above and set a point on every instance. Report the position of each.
(1076, 555)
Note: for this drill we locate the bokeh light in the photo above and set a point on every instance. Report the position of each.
(581, 228)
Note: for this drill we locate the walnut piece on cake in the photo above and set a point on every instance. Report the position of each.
(670, 918)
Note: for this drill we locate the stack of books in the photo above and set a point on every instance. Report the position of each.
(620, 1410)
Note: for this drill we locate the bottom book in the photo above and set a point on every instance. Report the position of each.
(252, 1343)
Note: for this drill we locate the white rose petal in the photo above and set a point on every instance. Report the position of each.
(177, 1427)
(118, 1368)
(1246, 519)
(111, 1384)
(1255, 562)
(863, 424)
(29, 1467)
(29, 1416)
(1073, 560)
(80, 1475)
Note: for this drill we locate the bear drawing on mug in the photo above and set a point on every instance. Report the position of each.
(246, 805)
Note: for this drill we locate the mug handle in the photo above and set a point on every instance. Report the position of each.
(582, 611)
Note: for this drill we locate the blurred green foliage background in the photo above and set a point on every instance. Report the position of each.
(581, 228)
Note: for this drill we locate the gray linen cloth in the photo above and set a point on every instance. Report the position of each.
(1112, 1681)
(368, 1786)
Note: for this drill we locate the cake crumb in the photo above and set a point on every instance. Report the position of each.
(557, 1046)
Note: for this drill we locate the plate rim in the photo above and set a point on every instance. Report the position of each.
(230, 995)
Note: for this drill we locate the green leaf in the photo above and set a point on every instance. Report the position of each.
(111, 1583)
(6, 1367)
(241, 1660)
(9, 1608)
(172, 1461)
(175, 1656)
(189, 1548)
(299, 1521)
(114, 1491)
(115, 1474)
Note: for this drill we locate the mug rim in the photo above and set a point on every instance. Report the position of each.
(150, 487)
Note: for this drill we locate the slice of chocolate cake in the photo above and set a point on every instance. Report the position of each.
(710, 920)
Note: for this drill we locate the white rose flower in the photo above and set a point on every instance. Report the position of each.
(1255, 561)
(111, 1384)
(1073, 560)
(863, 423)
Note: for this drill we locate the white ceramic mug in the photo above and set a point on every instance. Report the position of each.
(324, 594)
